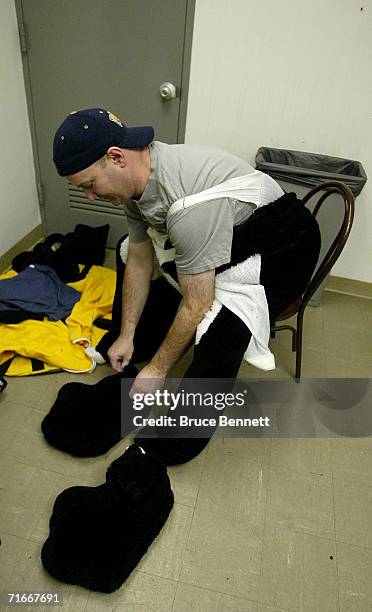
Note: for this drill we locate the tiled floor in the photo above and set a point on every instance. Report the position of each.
(258, 525)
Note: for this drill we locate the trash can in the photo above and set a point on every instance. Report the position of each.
(300, 171)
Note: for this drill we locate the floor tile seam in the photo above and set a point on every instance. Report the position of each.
(301, 471)
(35, 540)
(334, 525)
(42, 413)
(174, 596)
(29, 539)
(15, 535)
(240, 597)
(265, 510)
(343, 476)
(47, 389)
(365, 549)
(321, 474)
(195, 504)
(188, 534)
(176, 503)
(48, 470)
(336, 332)
(310, 347)
(331, 541)
(30, 403)
(234, 516)
(93, 593)
(240, 454)
(154, 575)
(355, 362)
(31, 414)
(199, 482)
(6, 447)
(190, 506)
(67, 474)
(339, 473)
(339, 582)
(24, 405)
(11, 455)
(307, 532)
(258, 601)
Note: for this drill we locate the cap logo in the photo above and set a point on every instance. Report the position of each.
(115, 119)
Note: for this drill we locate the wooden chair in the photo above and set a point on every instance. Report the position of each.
(324, 267)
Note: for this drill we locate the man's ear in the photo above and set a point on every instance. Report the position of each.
(117, 155)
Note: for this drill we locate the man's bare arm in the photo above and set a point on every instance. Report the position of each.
(136, 284)
(198, 296)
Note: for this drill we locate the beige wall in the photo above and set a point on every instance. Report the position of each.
(19, 207)
(288, 74)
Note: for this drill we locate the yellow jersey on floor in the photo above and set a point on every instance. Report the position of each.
(45, 346)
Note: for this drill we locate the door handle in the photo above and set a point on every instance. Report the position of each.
(168, 91)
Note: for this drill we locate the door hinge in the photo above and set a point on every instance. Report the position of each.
(22, 37)
(40, 193)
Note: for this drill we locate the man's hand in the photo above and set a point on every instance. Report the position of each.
(120, 353)
(149, 380)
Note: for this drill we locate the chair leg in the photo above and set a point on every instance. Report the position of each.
(294, 340)
(298, 349)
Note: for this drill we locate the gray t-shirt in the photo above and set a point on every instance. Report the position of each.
(201, 234)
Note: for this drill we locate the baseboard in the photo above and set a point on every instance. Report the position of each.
(349, 286)
(24, 244)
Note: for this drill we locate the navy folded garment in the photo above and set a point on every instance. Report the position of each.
(38, 289)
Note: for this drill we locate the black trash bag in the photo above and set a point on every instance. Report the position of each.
(311, 169)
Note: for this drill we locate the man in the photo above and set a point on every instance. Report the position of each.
(202, 215)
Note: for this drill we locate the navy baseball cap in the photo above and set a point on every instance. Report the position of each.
(86, 135)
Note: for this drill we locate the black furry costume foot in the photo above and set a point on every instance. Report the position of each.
(85, 420)
(172, 451)
(99, 534)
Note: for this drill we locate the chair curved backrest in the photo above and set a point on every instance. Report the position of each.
(338, 243)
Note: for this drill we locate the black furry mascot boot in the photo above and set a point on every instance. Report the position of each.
(172, 451)
(99, 534)
(85, 420)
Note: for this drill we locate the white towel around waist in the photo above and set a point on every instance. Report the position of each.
(239, 290)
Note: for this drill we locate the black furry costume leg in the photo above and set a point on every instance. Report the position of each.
(85, 419)
(287, 237)
(99, 534)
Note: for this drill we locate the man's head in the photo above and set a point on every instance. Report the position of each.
(94, 150)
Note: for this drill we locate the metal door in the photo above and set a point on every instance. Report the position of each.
(113, 54)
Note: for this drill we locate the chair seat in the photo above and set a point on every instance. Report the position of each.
(290, 310)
